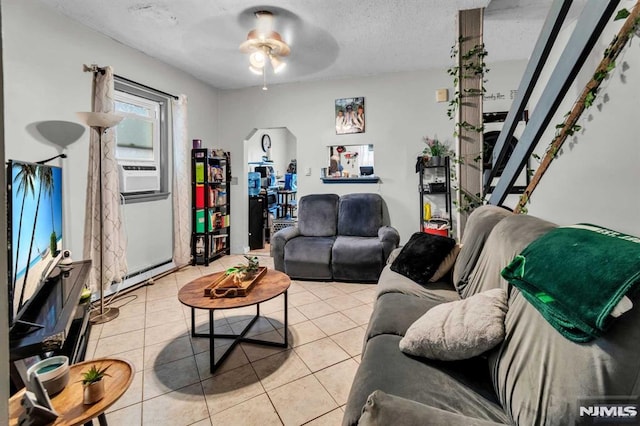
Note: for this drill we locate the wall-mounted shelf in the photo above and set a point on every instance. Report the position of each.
(361, 179)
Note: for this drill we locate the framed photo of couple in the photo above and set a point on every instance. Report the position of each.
(349, 114)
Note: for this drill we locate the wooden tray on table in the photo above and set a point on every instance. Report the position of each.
(226, 285)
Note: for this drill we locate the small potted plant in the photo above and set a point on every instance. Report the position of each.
(435, 151)
(93, 384)
(246, 272)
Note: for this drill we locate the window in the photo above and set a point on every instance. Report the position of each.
(142, 141)
(138, 135)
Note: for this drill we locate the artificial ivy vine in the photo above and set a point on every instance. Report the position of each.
(569, 126)
(472, 65)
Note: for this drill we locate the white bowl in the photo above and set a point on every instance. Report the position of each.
(53, 373)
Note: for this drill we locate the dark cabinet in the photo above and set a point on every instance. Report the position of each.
(257, 220)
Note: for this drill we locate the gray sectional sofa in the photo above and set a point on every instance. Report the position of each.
(535, 376)
(337, 238)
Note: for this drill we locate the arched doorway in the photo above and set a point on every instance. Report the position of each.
(271, 152)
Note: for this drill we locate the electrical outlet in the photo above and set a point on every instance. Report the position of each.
(307, 171)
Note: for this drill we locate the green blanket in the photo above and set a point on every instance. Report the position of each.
(576, 275)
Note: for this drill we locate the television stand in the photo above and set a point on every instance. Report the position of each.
(28, 324)
(64, 321)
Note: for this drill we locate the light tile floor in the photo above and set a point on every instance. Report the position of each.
(306, 383)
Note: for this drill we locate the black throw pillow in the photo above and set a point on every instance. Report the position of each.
(420, 257)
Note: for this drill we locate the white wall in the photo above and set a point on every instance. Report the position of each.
(595, 177)
(400, 110)
(44, 53)
(503, 81)
(281, 152)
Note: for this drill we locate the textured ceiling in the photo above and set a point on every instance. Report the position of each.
(329, 39)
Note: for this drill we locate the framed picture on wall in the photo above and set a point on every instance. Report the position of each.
(349, 113)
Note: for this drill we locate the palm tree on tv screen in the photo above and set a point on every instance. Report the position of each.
(46, 180)
(25, 179)
(45, 176)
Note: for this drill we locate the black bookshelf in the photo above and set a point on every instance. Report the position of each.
(211, 205)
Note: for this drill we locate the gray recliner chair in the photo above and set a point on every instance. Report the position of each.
(337, 238)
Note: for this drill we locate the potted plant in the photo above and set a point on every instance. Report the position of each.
(435, 151)
(245, 272)
(93, 385)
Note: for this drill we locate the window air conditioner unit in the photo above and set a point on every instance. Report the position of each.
(137, 178)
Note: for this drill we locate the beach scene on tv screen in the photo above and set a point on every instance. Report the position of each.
(36, 226)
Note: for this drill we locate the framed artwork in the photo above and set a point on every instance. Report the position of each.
(349, 113)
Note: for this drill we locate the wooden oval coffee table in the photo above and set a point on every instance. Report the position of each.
(272, 284)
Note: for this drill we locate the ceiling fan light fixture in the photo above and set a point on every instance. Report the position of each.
(257, 59)
(277, 64)
(256, 71)
(264, 25)
(263, 43)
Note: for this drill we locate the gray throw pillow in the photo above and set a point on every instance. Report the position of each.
(458, 330)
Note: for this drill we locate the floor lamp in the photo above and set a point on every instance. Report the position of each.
(101, 121)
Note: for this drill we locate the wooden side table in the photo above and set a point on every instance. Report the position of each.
(68, 403)
(272, 284)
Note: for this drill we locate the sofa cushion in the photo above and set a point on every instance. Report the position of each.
(308, 258)
(420, 258)
(508, 238)
(541, 377)
(395, 312)
(360, 215)
(458, 330)
(477, 229)
(393, 282)
(318, 215)
(383, 409)
(461, 387)
(356, 259)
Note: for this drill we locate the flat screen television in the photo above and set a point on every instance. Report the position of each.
(34, 224)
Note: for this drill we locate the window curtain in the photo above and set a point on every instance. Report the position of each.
(113, 240)
(181, 193)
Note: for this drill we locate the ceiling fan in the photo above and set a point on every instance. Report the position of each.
(263, 45)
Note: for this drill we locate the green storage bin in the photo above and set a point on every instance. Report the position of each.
(199, 172)
(200, 221)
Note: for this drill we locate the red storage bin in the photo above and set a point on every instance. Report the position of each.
(436, 226)
(199, 196)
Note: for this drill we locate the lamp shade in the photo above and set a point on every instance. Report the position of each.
(277, 64)
(257, 71)
(99, 119)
